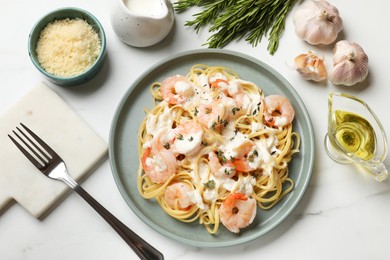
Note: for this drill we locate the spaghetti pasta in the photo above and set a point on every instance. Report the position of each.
(213, 146)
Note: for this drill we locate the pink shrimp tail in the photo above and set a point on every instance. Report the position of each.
(232, 198)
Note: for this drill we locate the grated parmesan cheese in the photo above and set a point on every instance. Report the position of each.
(68, 47)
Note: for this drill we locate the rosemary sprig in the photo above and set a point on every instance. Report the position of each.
(235, 19)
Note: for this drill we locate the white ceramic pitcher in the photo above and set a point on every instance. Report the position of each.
(142, 23)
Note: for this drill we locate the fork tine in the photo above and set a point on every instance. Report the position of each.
(41, 155)
(40, 141)
(25, 152)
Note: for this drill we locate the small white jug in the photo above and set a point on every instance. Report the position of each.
(142, 23)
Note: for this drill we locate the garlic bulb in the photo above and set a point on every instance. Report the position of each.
(350, 64)
(317, 22)
(310, 66)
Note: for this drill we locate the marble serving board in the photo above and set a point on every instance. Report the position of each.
(44, 112)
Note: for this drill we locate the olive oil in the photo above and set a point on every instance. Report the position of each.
(355, 134)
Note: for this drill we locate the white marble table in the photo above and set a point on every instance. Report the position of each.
(343, 215)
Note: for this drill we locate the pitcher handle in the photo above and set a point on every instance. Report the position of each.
(378, 171)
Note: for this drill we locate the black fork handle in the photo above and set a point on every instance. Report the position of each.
(143, 249)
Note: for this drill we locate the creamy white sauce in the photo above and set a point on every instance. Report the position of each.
(203, 171)
(234, 144)
(157, 162)
(234, 87)
(154, 123)
(189, 144)
(217, 76)
(256, 126)
(246, 185)
(184, 88)
(196, 198)
(281, 121)
(202, 80)
(228, 184)
(210, 195)
(144, 7)
(265, 160)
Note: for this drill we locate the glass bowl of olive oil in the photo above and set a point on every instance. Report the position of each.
(355, 135)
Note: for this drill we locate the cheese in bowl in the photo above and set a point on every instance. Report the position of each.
(68, 46)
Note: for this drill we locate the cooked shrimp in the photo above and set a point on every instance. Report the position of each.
(237, 211)
(212, 115)
(163, 140)
(159, 166)
(220, 166)
(243, 148)
(188, 138)
(241, 151)
(177, 195)
(246, 153)
(232, 89)
(220, 84)
(176, 89)
(278, 111)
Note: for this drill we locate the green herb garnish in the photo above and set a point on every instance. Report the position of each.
(210, 184)
(251, 157)
(196, 112)
(229, 171)
(235, 109)
(221, 156)
(235, 19)
(213, 125)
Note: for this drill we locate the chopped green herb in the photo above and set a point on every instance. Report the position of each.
(254, 112)
(253, 155)
(229, 171)
(221, 156)
(235, 109)
(225, 123)
(210, 184)
(214, 124)
(196, 112)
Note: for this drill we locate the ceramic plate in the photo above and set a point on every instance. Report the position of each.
(124, 156)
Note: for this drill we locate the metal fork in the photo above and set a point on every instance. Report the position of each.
(51, 164)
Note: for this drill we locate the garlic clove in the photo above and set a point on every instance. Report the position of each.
(317, 22)
(310, 66)
(350, 64)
